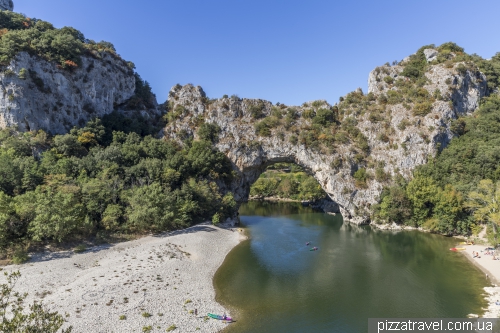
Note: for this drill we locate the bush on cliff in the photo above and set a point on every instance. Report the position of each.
(64, 46)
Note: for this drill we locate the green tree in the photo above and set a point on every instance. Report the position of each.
(485, 202)
(58, 215)
(149, 209)
(422, 192)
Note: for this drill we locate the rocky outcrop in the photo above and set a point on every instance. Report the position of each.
(431, 54)
(7, 5)
(408, 140)
(37, 94)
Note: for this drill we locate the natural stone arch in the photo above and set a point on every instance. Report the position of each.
(333, 166)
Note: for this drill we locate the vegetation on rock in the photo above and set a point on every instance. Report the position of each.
(454, 192)
(64, 46)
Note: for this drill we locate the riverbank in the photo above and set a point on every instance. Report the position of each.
(158, 281)
(491, 269)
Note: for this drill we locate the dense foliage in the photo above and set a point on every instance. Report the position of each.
(79, 184)
(287, 181)
(454, 192)
(64, 46)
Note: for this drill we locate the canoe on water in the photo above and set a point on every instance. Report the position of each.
(455, 249)
(214, 316)
(314, 249)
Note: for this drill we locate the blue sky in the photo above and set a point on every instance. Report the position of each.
(283, 51)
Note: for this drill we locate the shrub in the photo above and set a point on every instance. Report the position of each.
(383, 137)
(20, 256)
(461, 69)
(422, 109)
(403, 124)
(216, 219)
(209, 132)
(257, 111)
(389, 79)
(360, 177)
(381, 175)
(308, 113)
(323, 117)
(382, 99)
(23, 73)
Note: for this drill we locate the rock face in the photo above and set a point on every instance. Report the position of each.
(7, 5)
(430, 54)
(410, 142)
(39, 95)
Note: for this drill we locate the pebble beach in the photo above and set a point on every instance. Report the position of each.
(157, 282)
(491, 269)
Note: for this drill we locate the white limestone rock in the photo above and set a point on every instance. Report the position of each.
(430, 54)
(54, 99)
(409, 146)
(7, 5)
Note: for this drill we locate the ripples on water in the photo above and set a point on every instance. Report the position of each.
(274, 283)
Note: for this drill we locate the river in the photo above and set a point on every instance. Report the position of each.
(273, 282)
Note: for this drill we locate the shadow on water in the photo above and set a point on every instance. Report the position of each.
(274, 283)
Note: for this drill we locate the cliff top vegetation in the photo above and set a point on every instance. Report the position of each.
(63, 46)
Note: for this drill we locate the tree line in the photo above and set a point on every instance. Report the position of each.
(81, 184)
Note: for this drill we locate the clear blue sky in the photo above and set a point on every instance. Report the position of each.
(283, 51)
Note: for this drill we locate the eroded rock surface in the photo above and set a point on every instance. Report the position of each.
(410, 141)
(7, 5)
(36, 94)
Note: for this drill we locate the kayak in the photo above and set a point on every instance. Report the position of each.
(214, 316)
(314, 249)
(455, 249)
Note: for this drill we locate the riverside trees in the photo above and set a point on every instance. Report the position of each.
(78, 184)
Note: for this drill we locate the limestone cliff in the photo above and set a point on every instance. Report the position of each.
(381, 134)
(37, 94)
(7, 5)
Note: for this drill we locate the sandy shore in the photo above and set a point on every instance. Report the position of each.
(491, 268)
(167, 276)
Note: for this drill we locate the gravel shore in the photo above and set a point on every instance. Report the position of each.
(165, 276)
(491, 269)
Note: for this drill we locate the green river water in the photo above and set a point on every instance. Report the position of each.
(273, 283)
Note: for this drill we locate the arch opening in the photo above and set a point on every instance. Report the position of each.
(283, 179)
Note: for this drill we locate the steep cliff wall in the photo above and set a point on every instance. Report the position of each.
(373, 138)
(37, 94)
(7, 5)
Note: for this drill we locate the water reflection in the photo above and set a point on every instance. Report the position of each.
(278, 285)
